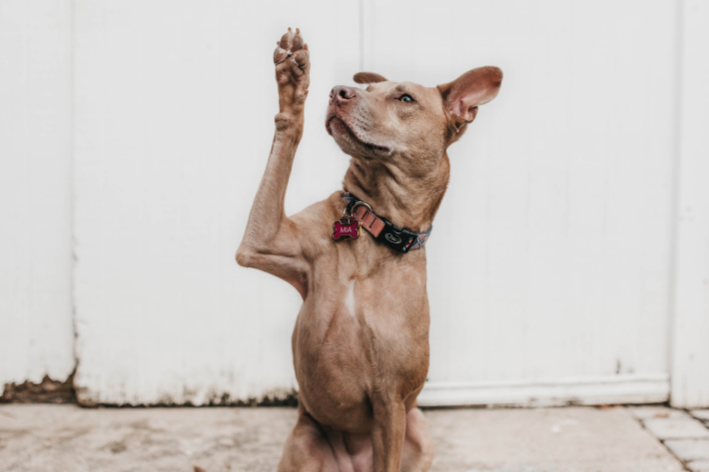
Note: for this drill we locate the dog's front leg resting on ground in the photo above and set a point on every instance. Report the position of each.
(271, 241)
(388, 435)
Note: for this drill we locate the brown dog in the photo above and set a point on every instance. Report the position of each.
(360, 344)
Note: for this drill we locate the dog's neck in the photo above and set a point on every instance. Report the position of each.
(407, 201)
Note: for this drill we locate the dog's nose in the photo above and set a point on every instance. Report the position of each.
(342, 93)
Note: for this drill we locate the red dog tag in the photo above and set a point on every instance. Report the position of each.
(346, 227)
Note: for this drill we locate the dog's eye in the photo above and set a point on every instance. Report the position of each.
(406, 98)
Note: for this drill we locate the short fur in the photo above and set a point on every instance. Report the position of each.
(360, 344)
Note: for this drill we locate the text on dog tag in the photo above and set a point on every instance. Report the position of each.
(345, 227)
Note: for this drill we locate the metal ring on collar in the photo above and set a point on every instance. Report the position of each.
(360, 203)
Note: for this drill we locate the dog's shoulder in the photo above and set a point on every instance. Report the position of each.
(314, 223)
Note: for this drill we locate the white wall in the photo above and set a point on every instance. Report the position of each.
(690, 360)
(175, 112)
(550, 259)
(551, 264)
(36, 334)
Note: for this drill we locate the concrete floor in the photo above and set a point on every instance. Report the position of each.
(67, 438)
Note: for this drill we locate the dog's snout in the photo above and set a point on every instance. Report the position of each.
(342, 93)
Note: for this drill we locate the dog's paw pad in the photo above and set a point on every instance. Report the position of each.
(301, 61)
(292, 60)
(288, 46)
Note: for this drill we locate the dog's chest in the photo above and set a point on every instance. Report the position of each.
(351, 314)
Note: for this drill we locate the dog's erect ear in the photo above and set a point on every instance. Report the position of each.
(368, 78)
(462, 97)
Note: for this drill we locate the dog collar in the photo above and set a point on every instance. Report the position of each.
(401, 240)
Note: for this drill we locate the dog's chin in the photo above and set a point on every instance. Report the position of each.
(349, 142)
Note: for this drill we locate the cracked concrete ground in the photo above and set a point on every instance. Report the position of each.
(65, 438)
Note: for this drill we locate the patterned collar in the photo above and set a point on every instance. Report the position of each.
(401, 240)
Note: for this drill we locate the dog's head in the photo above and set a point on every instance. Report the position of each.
(405, 123)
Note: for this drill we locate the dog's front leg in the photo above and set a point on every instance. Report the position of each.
(388, 434)
(271, 241)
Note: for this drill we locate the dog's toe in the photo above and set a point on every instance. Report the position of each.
(287, 39)
(297, 42)
(301, 61)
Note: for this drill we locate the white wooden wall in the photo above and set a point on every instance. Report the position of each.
(36, 333)
(690, 360)
(174, 115)
(549, 270)
(556, 270)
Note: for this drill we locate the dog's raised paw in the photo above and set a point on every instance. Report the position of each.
(292, 61)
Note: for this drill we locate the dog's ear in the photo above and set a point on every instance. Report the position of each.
(462, 97)
(368, 78)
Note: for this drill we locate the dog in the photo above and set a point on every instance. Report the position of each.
(360, 343)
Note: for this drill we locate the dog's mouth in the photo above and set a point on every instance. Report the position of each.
(345, 129)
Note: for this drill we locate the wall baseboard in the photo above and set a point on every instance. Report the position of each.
(631, 388)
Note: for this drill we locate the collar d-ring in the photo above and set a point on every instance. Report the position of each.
(384, 231)
(358, 203)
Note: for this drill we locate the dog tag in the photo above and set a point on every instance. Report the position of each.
(345, 227)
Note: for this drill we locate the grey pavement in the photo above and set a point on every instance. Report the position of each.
(66, 438)
(686, 435)
(702, 415)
